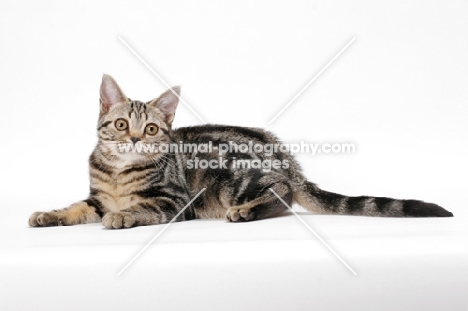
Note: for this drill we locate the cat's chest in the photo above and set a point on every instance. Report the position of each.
(116, 194)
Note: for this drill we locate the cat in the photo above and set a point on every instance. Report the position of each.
(129, 189)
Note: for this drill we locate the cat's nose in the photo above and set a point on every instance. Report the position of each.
(134, 139)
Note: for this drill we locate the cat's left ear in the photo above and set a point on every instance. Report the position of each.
(167, 103)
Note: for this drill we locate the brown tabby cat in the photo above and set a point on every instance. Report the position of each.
(130, 189)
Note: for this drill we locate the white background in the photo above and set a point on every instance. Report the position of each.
(398, 92)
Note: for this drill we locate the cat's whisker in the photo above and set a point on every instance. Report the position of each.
(156, 163)
(168, 161)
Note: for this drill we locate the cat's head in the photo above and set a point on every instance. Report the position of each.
(130, 130)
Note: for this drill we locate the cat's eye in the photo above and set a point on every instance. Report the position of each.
(121, 124)
(151, 129)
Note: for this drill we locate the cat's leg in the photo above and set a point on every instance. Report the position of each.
(79, 213)
(264, 205)
(145, 213)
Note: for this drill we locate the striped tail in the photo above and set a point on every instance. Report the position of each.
(315, 199)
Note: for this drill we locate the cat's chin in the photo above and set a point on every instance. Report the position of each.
(130, 158)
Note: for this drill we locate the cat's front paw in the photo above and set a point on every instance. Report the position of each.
(40, 219)
(118, 220)
(240, 214)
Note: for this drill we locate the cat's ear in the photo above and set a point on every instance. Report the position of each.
(167, 103)
(110, 93)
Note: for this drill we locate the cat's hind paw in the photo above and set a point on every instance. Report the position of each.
(118, 220)
(240, 214)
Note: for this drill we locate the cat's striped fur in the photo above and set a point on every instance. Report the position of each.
(137, 189)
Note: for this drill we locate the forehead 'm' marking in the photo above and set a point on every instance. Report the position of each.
(138, 109)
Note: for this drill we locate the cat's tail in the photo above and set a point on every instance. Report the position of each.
(314, 199)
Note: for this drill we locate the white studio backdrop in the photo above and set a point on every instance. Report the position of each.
(398, 92)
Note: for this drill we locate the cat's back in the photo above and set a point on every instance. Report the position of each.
(222, 134)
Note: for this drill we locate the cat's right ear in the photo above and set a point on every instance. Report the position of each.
(110, 93)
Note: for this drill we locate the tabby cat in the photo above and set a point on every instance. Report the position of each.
(129, 189)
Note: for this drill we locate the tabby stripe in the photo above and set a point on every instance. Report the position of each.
(101, 169)
(135, 179)
(327, 199)
(131, 110)
(355, 204)
(240, 198)
(210, 128)
(137, 169)
(149, 192)
(94, 203)
(189, 213)
(94, 174)
(105, 136)
(383, 204)
(105, 124)
(148, 207)
(153, 209)
(167, 207)
(155, 178)
(100, 166)
(254, 187)
(95, 191)
(107, 155)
